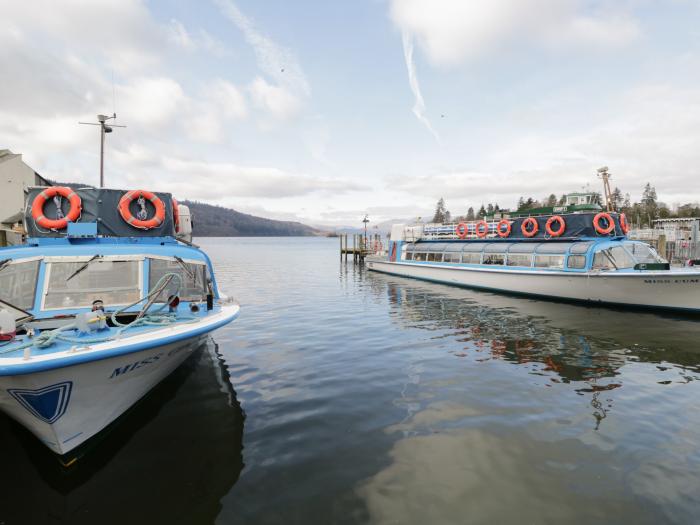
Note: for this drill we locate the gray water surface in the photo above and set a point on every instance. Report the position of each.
(347, 396)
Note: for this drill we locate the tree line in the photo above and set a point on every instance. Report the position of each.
(641, 213)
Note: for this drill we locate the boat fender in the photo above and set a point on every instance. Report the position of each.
(499, 228)
(482, 229)
(562, 226)
(142, 222)
(623, 224)
(461, 230)
(599, 228)
(527, 230)
(61, 221)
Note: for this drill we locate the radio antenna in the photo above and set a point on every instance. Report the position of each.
(104, 129)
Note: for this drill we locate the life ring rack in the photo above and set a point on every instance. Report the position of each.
(143, 224)
(60, 222)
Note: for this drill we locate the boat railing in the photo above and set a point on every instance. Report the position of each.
(435, 231)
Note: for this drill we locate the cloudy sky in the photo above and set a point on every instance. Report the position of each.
(322, 110)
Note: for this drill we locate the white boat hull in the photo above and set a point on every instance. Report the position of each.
(66, 398)
(89, 396)
(679, 290)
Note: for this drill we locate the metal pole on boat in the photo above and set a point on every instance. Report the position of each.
(104, 129)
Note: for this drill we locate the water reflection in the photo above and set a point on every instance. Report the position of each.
(169, 460)
(547, 412)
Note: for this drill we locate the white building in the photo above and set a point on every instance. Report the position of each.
(15, 177)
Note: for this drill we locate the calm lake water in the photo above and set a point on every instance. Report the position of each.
(347, 396)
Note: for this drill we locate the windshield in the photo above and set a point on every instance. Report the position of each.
(193, 284)
(18, 283)
(613, 258)
(643, 253)
(112, 282)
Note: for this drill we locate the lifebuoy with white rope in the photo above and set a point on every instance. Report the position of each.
(141, 220)
(551, 231)
(529, 227)
(499, 228)
(599, 228)
(61, 221)
(482, 229)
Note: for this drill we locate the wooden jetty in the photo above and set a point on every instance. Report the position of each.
(361, 246)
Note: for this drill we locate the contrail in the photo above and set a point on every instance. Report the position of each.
(419, 105)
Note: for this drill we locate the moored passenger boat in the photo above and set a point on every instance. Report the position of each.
(583, 257)
(100, 304)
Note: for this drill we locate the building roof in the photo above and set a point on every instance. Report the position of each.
(6, 154)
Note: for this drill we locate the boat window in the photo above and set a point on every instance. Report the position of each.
(194, 282)
(549, 261)
(580, 247)
(519, 259)
(454, 247)
(643, 253)
(471, 258)
(18, 284)
(436, 257)
(614, 258)
(497, 247)
(554, 247)
(474, 246)
(408, 256)
(419, 256)
(494, 258)
(112, 282)
(576, 262)
(523, 247)
(451, 257)
(435, 247)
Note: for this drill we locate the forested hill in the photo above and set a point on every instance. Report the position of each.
(216, 221)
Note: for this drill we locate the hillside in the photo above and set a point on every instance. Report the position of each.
(217, 221)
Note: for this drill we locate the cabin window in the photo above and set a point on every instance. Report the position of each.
(523, 247)
(419, 256)
(451, 257)
(580, 247)
(519, 259)
(78, 284)
(549, 261)
(408, 256)
(18, 284)
(494, 258)
(194, 282)
(553, 247)
(643, 253)
(613, 258)
(576, 262)
(435, 257)
(471, 258)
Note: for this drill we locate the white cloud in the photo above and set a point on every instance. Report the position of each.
(452, 31)
(151, 101)
(419, 104)
(276, 100)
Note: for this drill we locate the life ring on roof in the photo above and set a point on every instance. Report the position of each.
(499, 228)
(461, 230)
(61, 221)
(599, 228)
(527, 231)
(141, 221)
(624, 225)
(482, 229)
(562, 226)
(176, 216)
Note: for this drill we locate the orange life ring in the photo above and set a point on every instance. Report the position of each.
(552, 220)
(155, 221)
(599, 228)
(623, 224)
(56, 224)
(482, 229)
(176, 216)
(499, 228)
(533, 231)
(461, 230)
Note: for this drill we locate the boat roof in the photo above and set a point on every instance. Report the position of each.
(163, 246)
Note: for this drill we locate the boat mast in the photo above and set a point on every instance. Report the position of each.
(604, 174)
(104, 129)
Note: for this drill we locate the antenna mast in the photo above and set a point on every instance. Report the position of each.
(104, 129)
(604, 174)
